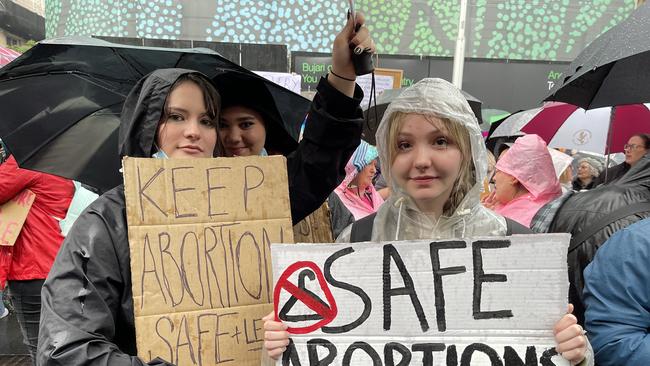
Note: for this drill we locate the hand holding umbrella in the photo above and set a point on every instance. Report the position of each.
(354, 36)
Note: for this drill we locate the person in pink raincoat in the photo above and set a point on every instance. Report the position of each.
(356, 197)
(525, 180)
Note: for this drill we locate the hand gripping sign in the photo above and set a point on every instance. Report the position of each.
(326, 313)
(486, 301)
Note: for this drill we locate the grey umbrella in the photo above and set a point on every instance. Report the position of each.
(511, 125)
(613, 70)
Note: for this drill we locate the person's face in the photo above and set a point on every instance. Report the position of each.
(366, 174)
(635, 149)
(583, 171)
(427, 162)
(187, 131)
(242, 131)
(505, 187)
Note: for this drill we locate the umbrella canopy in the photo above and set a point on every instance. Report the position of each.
(569, 126)
(7, 55)
(613, 69)
(61, 102)
(512, 124)
(374, 114)
(491, 115)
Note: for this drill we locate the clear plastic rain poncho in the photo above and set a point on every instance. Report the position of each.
(399, 218)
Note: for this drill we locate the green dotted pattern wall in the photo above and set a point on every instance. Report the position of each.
(514, 29)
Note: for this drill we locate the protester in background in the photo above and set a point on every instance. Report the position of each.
(250, 123)
(637, 146)
(593, 216)
(588, 171)
(25, 265)
(435, 161)
(356, 197)
(525, 180)
(617, 298)
(172, 113)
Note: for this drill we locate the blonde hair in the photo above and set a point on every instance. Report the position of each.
(459, 135)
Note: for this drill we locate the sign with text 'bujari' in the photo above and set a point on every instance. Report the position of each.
(480, 301)
(200, 233)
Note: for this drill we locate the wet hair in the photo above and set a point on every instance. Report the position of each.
(459, 135)
(645, 137)
(211, 97)
(211, 100)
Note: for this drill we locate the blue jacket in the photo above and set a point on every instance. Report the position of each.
(617, 297)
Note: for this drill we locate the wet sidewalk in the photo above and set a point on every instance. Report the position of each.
(12, 350)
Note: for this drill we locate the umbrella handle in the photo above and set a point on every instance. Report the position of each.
(363, 62)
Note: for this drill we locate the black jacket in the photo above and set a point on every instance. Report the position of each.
(613, 174)
(586, 208)
(87, 311)
(576, 184)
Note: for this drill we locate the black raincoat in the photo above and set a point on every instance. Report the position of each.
(87, 312)
(584, 209)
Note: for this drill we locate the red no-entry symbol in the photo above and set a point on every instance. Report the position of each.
(326, 311)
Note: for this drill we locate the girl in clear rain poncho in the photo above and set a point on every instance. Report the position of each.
(432, 151)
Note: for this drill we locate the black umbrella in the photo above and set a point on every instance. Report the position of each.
(374, 114)
(613, 70)
(61, 102)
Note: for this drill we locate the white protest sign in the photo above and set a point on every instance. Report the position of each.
(479, 301)
(382, 82)
(289, 81)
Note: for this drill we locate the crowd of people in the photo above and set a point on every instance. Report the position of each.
(73, 298)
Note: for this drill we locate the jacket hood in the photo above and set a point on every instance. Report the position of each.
(362, 156)
(143, 109)
(239, 89)
(529, 161)
(399, 217)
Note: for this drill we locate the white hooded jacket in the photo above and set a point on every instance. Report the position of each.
(399, 218)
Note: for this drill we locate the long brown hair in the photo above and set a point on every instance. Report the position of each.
(211, 100)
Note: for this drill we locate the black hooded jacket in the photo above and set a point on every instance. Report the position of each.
(87, 301)
(584, 209)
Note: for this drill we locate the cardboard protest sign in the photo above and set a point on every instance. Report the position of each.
(480, 301)
(200, 233)
(315, 228)
(13, 215)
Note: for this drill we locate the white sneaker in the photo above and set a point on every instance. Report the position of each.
(5, 313)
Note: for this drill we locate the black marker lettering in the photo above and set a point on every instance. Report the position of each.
(480, 277)
(391, 253)
(367, 304)
(389, 359)
(466, 358)
(438, 272)
(365, 347)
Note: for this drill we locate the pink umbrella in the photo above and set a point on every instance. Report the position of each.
(601, 130)
(7, 55)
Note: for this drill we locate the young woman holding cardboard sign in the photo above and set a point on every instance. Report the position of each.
(87, 316)
(435, 160)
